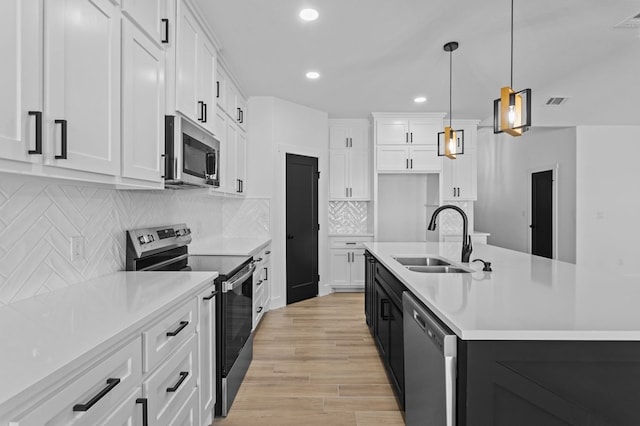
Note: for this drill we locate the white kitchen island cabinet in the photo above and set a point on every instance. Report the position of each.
(77, 354)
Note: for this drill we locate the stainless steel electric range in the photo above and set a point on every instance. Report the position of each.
(165, 248)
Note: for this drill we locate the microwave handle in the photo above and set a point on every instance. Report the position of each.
(211, 164)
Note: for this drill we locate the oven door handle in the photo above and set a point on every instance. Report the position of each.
(228, 286)
(159, 265)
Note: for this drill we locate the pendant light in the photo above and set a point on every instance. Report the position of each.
(450, 142)
(512, 111)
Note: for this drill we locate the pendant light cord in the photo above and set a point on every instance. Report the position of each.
(450, 85)
(512, 44)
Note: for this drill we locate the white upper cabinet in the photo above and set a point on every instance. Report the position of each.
(188, 35)
(21, 78)
(82, 85)
(349, 160)
(207, 59)
(459, 176)
(151, 16)
(230, 173)
(413, 131)
(142, 105)
(230, 99)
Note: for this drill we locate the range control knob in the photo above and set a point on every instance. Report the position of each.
(188, 231)
(141, 239)
(150, 238)
(178, 232)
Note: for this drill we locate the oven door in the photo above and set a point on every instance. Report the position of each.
(237, 305)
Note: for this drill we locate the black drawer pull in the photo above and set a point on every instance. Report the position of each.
(204, 112)
(183, 324)
(183, 377)
(145, 410)
(166, 31)
(211, 296)
(217, 89)
(259, 310)
(63, 141)
(38, 149)
(111, 383)
(267, 252)
(259, 283)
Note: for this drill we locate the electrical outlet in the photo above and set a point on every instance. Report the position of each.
(77, 248)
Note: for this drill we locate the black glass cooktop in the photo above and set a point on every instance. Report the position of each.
(226, 266)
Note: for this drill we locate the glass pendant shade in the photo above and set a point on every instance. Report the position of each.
(450, 143)
(512, 112)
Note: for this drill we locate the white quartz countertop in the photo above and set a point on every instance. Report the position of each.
(45, 334)
(227, 246)
(524, 298)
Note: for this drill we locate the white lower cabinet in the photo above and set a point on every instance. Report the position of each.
(176, 387)
(346, 262)
(261, 289)
(94, 394)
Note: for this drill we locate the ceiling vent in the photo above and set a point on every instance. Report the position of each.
(630, 22)
(556, 101)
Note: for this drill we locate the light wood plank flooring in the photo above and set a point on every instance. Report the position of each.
(315, 363)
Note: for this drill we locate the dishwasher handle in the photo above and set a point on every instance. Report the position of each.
(450, 366)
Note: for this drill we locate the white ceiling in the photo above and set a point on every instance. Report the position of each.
(377, 55)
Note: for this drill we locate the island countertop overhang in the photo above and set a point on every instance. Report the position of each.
(525, 297)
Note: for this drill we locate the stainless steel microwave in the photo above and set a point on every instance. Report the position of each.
(192, 157)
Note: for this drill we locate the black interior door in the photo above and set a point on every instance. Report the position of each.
(542, 213)
(302, 227)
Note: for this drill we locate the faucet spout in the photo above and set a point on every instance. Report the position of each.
(466, 238)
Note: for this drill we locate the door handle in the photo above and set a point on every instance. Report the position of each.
(38, 115)
(165, 40)
(63, 140)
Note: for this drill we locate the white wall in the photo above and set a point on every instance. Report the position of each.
(505, 165)
(283, 127)
(608, 198)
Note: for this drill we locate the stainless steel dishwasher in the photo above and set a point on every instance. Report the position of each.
(429, 367)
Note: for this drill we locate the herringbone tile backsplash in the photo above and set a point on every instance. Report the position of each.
(348, 217)
(38, 219)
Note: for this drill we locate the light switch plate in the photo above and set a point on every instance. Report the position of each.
(77, 248)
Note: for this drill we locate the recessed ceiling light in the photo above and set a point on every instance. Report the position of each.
(312, 75)
(309, 14)
(420, 99)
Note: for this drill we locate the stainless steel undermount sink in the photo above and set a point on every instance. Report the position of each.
(421, 261)
(439, 269)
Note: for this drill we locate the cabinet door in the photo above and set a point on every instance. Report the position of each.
(148, 14)
(359, 174)
(392, 158)
(221, 88)
(392, 132)
(382, 309)
(338, 174)
(188, 413)
(396, 349)
(207, 353)
(82, 57)
(359, 137)
(466, 175)
(424, 132)
(241, 161)
(425, 159)
(128, 413)
(449, 190)
(338, 136)
(188, 34)
(357, 268)
(340, 267)
(21, 76)
(207, 59)
(142, 105)
(231, 174)
(232, 101)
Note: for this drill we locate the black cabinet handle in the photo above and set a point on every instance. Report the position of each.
(63, 140)
(183, 377)
(38, 149)
(346, 142)
(145, 410)
(200, 104)
(454, 191)
(259, 309)
(165, 21)
(407, 165)
(259, 283)
(211, 296)
(204, 112)
(175, 332)
(411, 137)
(111, 383)
(266, 274)
(241, 116)
(267, 252)
(217, 89)
(383, 303)
(411, 163)
(238, 117)
(406, 138)
(241, 186)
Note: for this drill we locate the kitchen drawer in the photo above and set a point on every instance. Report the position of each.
(348, 242)
(97, 385)
(129, 413)
(172, 383)
(188, 414)
(168, 333)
